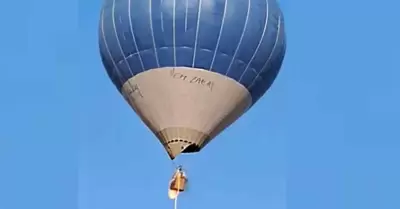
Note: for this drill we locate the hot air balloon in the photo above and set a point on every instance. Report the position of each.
(190, 68)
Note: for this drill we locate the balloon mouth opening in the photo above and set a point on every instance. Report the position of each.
(191, 149)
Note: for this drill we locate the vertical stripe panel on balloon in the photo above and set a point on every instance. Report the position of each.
(257, 25)
(121, 19)
(108, 37)
(179, 50)
(157, 17)
(236, 65)
(270, 70)
(107, 60)
(122, 65)
(142, 29)
(208, 32)
(230, 35)
(267, 44)
(197, 26)
(164, 30)
(185, 40)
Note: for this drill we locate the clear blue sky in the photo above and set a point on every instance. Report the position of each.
(326, 136)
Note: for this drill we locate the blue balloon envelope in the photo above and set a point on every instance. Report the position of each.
(190, 68)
